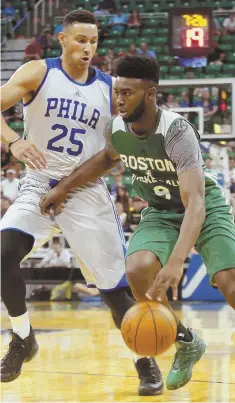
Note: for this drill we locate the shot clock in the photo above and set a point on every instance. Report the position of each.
(190, 31)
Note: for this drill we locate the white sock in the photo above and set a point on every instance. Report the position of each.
(20, 325)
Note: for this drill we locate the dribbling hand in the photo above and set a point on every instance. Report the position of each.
(168, 276)
(29, 153)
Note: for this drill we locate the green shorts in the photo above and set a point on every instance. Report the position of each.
(158, 232)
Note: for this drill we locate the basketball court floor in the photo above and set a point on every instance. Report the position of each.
(82, 357)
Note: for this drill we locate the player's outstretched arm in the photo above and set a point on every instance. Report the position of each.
(87, 173)
(21, 85)
(187, 157)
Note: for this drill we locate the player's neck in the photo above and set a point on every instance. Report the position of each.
(79, 74)
(147, 124)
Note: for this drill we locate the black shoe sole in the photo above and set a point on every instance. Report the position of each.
(15, 376)
(150, 392)
(33, 354)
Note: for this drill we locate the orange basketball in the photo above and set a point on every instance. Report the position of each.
(149, 328)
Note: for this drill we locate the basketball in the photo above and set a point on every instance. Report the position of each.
(149, 328)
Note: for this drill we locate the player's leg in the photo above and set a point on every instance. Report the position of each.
(149, 249)
(225, 281)
(216, 244)
(20, 227)
(89, 223)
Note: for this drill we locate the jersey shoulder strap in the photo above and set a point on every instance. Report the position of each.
(176, 117)
(118, 124)
(53, 63)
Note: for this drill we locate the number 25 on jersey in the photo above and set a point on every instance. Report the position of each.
(53, 143)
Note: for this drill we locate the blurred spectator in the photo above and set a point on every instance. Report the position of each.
(109, 62)
(220, 59)
(32, 51)
(121, 213)
(118, 169)
(97, 60)
(9, 10)
(118, 178)
(134, 215)
(144, 51)
(208, 162)
(2, 176)
(18, 109)
(184, 101)
(189, 73)
(5, 204)
(134, 20)
(209, 104)
(232, 187)
(82, 289)
(132, 50)
(103, 34)
(216, 29)
(171, 103)
(106, 6)
(229, 24)
(58, 29)
(10, 185)
(122, 196)
(56, 256)
(45, 41)
(16, 165)
(14, 113)
(5, 156)
(232, 168)
(160, 100)
(65, 290)
(118, 21)
(103, 67)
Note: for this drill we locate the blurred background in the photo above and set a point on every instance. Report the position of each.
(194, 43)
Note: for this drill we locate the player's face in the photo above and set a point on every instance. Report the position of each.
(132, 98)
(79, 43)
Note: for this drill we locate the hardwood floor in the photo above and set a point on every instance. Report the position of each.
(82, 357)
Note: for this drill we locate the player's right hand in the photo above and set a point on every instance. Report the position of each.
(29, 153)
(53, 202)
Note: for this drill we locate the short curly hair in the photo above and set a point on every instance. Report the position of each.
(142, 67)
(77, 16)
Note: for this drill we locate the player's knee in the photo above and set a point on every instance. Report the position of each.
(14, 247)
(225, 281)
(8, 254)
(140, 271)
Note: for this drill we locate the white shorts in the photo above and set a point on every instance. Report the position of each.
(89, 222)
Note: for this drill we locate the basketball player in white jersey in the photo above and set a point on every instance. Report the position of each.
(66, 106)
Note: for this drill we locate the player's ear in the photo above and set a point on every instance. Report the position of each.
(62, 39)
(152, 92)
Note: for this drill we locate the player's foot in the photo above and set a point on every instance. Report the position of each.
(187, 355)
(20, 351)
(150, 377)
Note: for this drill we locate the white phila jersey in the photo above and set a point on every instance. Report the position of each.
(66, 119)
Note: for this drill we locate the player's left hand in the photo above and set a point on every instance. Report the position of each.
(53, 202)
(168, 276)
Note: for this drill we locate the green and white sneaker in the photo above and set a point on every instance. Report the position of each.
(186, 356)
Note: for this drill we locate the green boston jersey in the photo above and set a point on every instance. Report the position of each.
(157, 160)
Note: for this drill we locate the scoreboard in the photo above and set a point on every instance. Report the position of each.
(190, 31)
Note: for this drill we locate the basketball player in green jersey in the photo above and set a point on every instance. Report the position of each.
(186, 205)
